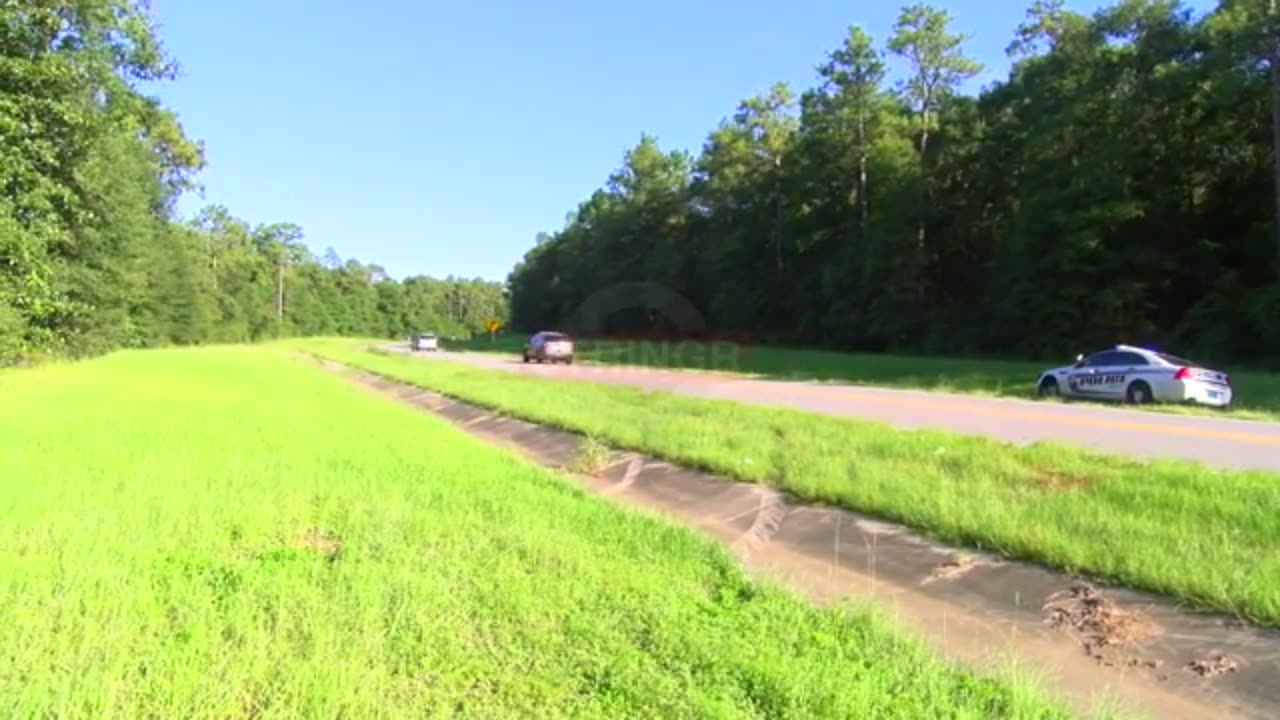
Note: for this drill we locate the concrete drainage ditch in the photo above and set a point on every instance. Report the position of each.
(972, 607)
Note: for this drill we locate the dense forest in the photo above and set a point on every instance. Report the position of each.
(1116, 186)
(92, 253)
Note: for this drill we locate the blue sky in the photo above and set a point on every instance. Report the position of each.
(438, 138)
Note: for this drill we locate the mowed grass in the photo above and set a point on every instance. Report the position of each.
(1203, 535)
(1257, 393)
(234, 533)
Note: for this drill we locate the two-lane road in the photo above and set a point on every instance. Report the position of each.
(1221, 442)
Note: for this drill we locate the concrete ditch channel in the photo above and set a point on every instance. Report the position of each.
(1089, 643)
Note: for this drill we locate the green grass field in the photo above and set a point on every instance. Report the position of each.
(1196, 533)
(231, 532)
(1257, 393)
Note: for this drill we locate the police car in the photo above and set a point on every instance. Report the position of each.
(1137, 375)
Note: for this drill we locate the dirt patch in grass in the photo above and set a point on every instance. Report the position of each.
(1053, 481)
(322, 542)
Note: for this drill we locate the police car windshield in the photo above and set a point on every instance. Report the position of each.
(1175, 360)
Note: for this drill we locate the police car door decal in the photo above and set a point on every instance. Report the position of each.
(1103, 382)
(1098, 380)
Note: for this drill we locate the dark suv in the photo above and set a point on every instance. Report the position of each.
(549, 347)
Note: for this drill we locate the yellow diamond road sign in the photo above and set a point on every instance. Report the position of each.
(494, 325)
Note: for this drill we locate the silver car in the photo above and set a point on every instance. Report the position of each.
(425, 341)
(1137, 375)
(549, 346)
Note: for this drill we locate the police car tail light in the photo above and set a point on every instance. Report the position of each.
(1182, 374)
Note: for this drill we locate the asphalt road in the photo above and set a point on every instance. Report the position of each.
(1221, 442)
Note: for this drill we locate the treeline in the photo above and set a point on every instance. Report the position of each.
(249, 283)
(92, 254)
(1117, 186)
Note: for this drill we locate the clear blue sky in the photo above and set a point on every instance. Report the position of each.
(438, 138)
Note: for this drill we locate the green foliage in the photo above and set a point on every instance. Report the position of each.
(1115, 187)
(91, 257)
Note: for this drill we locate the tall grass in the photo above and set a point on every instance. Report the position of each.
(231, 533)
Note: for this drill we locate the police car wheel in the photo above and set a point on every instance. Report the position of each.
(1048, 388)
(1138, 393)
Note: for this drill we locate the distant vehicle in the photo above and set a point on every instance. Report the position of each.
(1138, 376)
(549, 346)
(425, 341)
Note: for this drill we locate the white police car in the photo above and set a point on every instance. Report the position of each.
(1137, 375)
